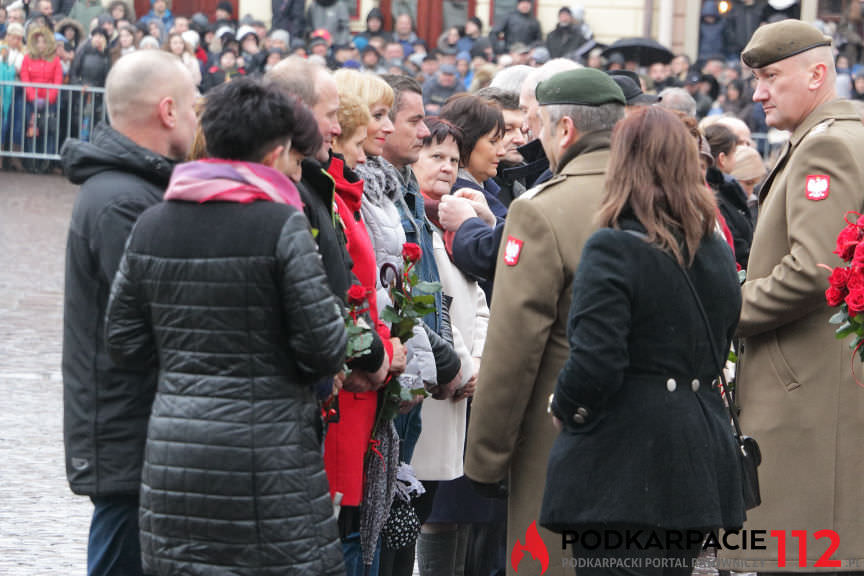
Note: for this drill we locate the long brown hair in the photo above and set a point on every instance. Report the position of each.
(654, 174)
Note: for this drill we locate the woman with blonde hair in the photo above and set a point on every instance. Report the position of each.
(381, 215)
(646, 448)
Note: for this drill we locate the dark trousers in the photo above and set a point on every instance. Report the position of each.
(650, 560)
(113, 548)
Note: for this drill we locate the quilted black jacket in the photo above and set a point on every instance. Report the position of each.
(231, 301)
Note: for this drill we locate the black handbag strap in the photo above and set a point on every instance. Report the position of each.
(725, 387)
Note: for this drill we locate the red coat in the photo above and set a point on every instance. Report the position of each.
(41, 72)
(347, 440)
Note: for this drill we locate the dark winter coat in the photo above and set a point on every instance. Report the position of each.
(475, 244)
(712, 37)
(518, 27)
(564, 39)
(288, 15)
(732, 201)
(317, 191)
(510, 184)
(741, 22)
(231, 302)
(646, 438)
(534, 165)
(90, 66)
(62, 7)
(105, 407)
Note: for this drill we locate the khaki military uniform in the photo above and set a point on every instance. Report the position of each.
(510, 433)
(797, 394)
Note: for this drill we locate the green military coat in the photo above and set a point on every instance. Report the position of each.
(797, 394)
(510, 433)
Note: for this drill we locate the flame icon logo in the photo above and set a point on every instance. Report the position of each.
(534, 545)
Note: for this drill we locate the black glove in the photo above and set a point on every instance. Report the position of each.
(497, 490)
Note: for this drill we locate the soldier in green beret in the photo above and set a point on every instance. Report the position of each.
(796, 391)
(510, 433)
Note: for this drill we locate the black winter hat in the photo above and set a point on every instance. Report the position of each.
(226, 6)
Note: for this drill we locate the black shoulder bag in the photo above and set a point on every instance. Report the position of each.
(749, 452)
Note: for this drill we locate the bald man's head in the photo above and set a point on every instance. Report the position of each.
(298, 77)
(150, 98)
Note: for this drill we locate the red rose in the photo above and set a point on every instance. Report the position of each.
(855, 280)
(858, 255)
(834, 296)
(839, 277)
(855, 302)
(847, 242)
(411, 252)
(356, 295)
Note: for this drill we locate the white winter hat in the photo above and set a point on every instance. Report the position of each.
(191, 37)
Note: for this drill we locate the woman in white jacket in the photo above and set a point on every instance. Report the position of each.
(440, 450)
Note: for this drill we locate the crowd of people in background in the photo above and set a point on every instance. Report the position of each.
(76, 43)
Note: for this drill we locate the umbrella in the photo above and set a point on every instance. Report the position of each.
(643, 50)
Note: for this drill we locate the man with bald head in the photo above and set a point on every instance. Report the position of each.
(122, 171)
(796, 390)
(315, 87)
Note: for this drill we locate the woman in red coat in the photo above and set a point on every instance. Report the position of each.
(41, 66)
(348, 441)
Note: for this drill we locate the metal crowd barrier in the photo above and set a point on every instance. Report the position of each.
(35, 119)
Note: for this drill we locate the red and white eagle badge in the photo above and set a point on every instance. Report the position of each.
(512, 250)
(818, 187)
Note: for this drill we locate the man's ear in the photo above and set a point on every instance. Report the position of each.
(168, 112)
(818, 75)
(569, 135)
(273, 156)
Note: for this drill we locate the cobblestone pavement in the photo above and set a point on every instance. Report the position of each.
(43, 526)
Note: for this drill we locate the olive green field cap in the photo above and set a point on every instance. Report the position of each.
(583, 87)
(774, 42)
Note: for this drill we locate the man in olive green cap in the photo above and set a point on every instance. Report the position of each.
(510, 433)
(796, 391)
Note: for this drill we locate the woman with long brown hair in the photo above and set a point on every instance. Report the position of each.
(646, 448)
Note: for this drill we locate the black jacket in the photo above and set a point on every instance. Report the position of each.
(288, 15)
(317, 190)
(646, 439)
(518, 27)
(732, 201)
(90, 67)
(231, 301)
(105, 407)
(564, 39)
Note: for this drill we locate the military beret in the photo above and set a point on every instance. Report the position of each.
(584, 87)
(774, 42)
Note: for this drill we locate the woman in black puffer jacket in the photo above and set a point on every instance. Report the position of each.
(222, 287)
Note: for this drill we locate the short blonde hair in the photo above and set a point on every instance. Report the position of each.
(353, 114)
(371, 89)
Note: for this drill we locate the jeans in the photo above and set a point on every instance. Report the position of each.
(353, 554)
(113, 548)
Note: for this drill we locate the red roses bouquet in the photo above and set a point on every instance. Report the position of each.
(846, 283)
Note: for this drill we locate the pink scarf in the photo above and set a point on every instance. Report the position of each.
(213, 180)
